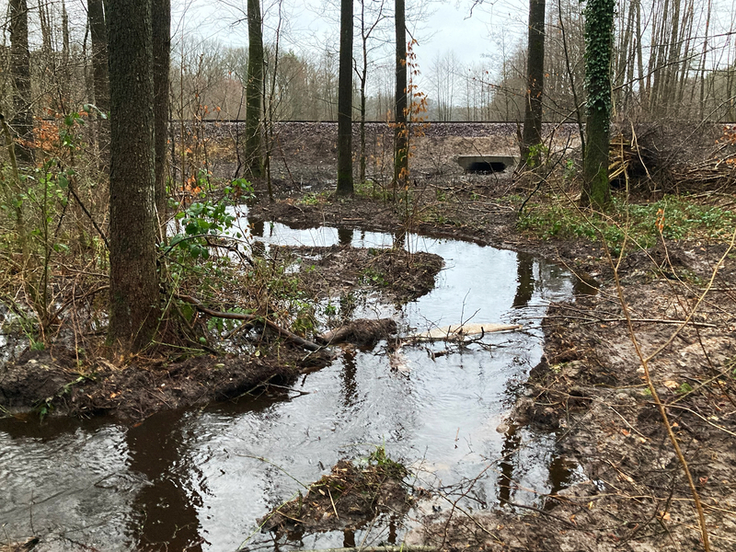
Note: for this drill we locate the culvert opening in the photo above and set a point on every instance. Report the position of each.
(486, 167)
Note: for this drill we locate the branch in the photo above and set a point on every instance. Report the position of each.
(290, 336)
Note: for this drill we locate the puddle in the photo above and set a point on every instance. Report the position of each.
(202, 478)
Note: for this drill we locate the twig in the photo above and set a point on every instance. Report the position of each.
(706, 420)
(295, 390)
(540, 511)
(632, 428)
(329, 493)
(720, 262)
(660, 321)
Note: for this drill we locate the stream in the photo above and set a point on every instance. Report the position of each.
(200, 479)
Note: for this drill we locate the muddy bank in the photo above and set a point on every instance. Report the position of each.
(51, 383)
(60, 381)
(346, 499)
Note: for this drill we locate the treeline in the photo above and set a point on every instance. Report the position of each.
(671, 59)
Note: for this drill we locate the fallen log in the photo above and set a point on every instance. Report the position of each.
(459, 332)
(362, 332)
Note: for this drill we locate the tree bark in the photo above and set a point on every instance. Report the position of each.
(598, 45)
(401, 130)
(20, 69)
(345, 102)
(134, 294)
(254, 91)
(161, 10)
(532, 134)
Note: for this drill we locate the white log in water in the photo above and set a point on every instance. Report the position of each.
(461, 331)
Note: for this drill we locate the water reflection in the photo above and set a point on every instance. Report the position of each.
(511, 443)
(525, 278)
(349, 385)
(256, 228)
(344, 235)
(164, 512)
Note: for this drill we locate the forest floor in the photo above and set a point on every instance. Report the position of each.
(656, 337)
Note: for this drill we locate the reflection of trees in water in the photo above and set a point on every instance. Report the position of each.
(164, 512)
(349, 385)
(344, 235)
(513, 466)
(256, 228)
(525, 280)
(509, 453)
(560, 473)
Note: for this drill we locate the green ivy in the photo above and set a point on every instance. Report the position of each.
(598, 47)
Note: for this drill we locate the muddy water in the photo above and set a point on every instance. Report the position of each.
(201, 479)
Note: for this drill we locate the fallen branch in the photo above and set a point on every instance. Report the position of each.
(290, 336)
(361, 332)
(460, 331)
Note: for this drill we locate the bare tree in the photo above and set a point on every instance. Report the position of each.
(254, 90)
(532, 134)
(366, 31)
(20, 69)
(345, 102)
(401, 132)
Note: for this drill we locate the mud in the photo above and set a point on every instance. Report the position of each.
(345, 499)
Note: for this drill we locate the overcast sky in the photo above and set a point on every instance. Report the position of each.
(442, 26)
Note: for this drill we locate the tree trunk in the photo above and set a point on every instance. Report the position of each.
(161, 10)
(254, 91)
(134, 295)
(345, 102)
(98, 34)
(598, 45)
(532, 134)
(401, 130)
(20, 69)
(669, 91)
(703, 57)
(66, 68)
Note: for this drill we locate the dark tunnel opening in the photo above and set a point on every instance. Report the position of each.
(486, 167)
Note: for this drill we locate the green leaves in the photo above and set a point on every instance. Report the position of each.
(207, 219)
